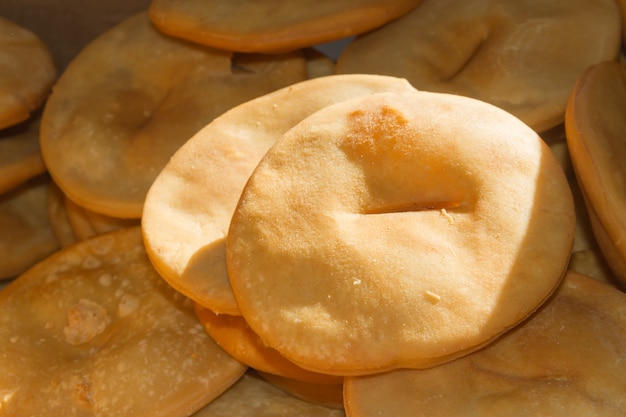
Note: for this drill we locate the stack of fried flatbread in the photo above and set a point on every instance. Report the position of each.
(205, 211)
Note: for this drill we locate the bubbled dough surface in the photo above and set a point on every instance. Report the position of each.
(398, 230)
(566, 360)
(522, 56)
(93, 330)
(130, 99)
(251, 26)
(189, 206)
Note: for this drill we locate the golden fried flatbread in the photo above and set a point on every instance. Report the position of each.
(596, 137)
(566, 360)
(398, 230)
(27, 72)
(251, 396)
(94, 330)
(523, 56)
(20, 158)
(189, 206)
(128, 101)
(256, 26)
(26, 235)
(234, 335)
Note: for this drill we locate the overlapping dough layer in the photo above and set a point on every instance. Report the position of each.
(93, 330)
(565, 360)
(190, 204)
(596, 136)
(398, 230)
(131, 98)
(234, 335)
(523, 56)
(27, 72)
(258, 26)
(27, 236)
(20, 158)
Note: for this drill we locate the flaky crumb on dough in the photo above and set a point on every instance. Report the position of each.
(86, 320)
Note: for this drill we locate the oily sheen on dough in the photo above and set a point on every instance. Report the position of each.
(398, 230)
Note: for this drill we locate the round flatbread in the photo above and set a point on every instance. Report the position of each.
(27, 72)
(596, 137)
(20, 158)
(94, 330)
(566, 360)
(398, 230)
(26, 235)
(189, 206)
(131, 98)
(522, 56)
(253, 26)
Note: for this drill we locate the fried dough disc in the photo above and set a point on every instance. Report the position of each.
(567, 360)
(234, 335)
(398, 230)
(131, 98)
(249, 26)
(494, 50)
(596, 135)
(94, 330)
(329, 395)
(26, 235)
(27, 71)
(20, 158)
(189, 206)
(251, 396)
